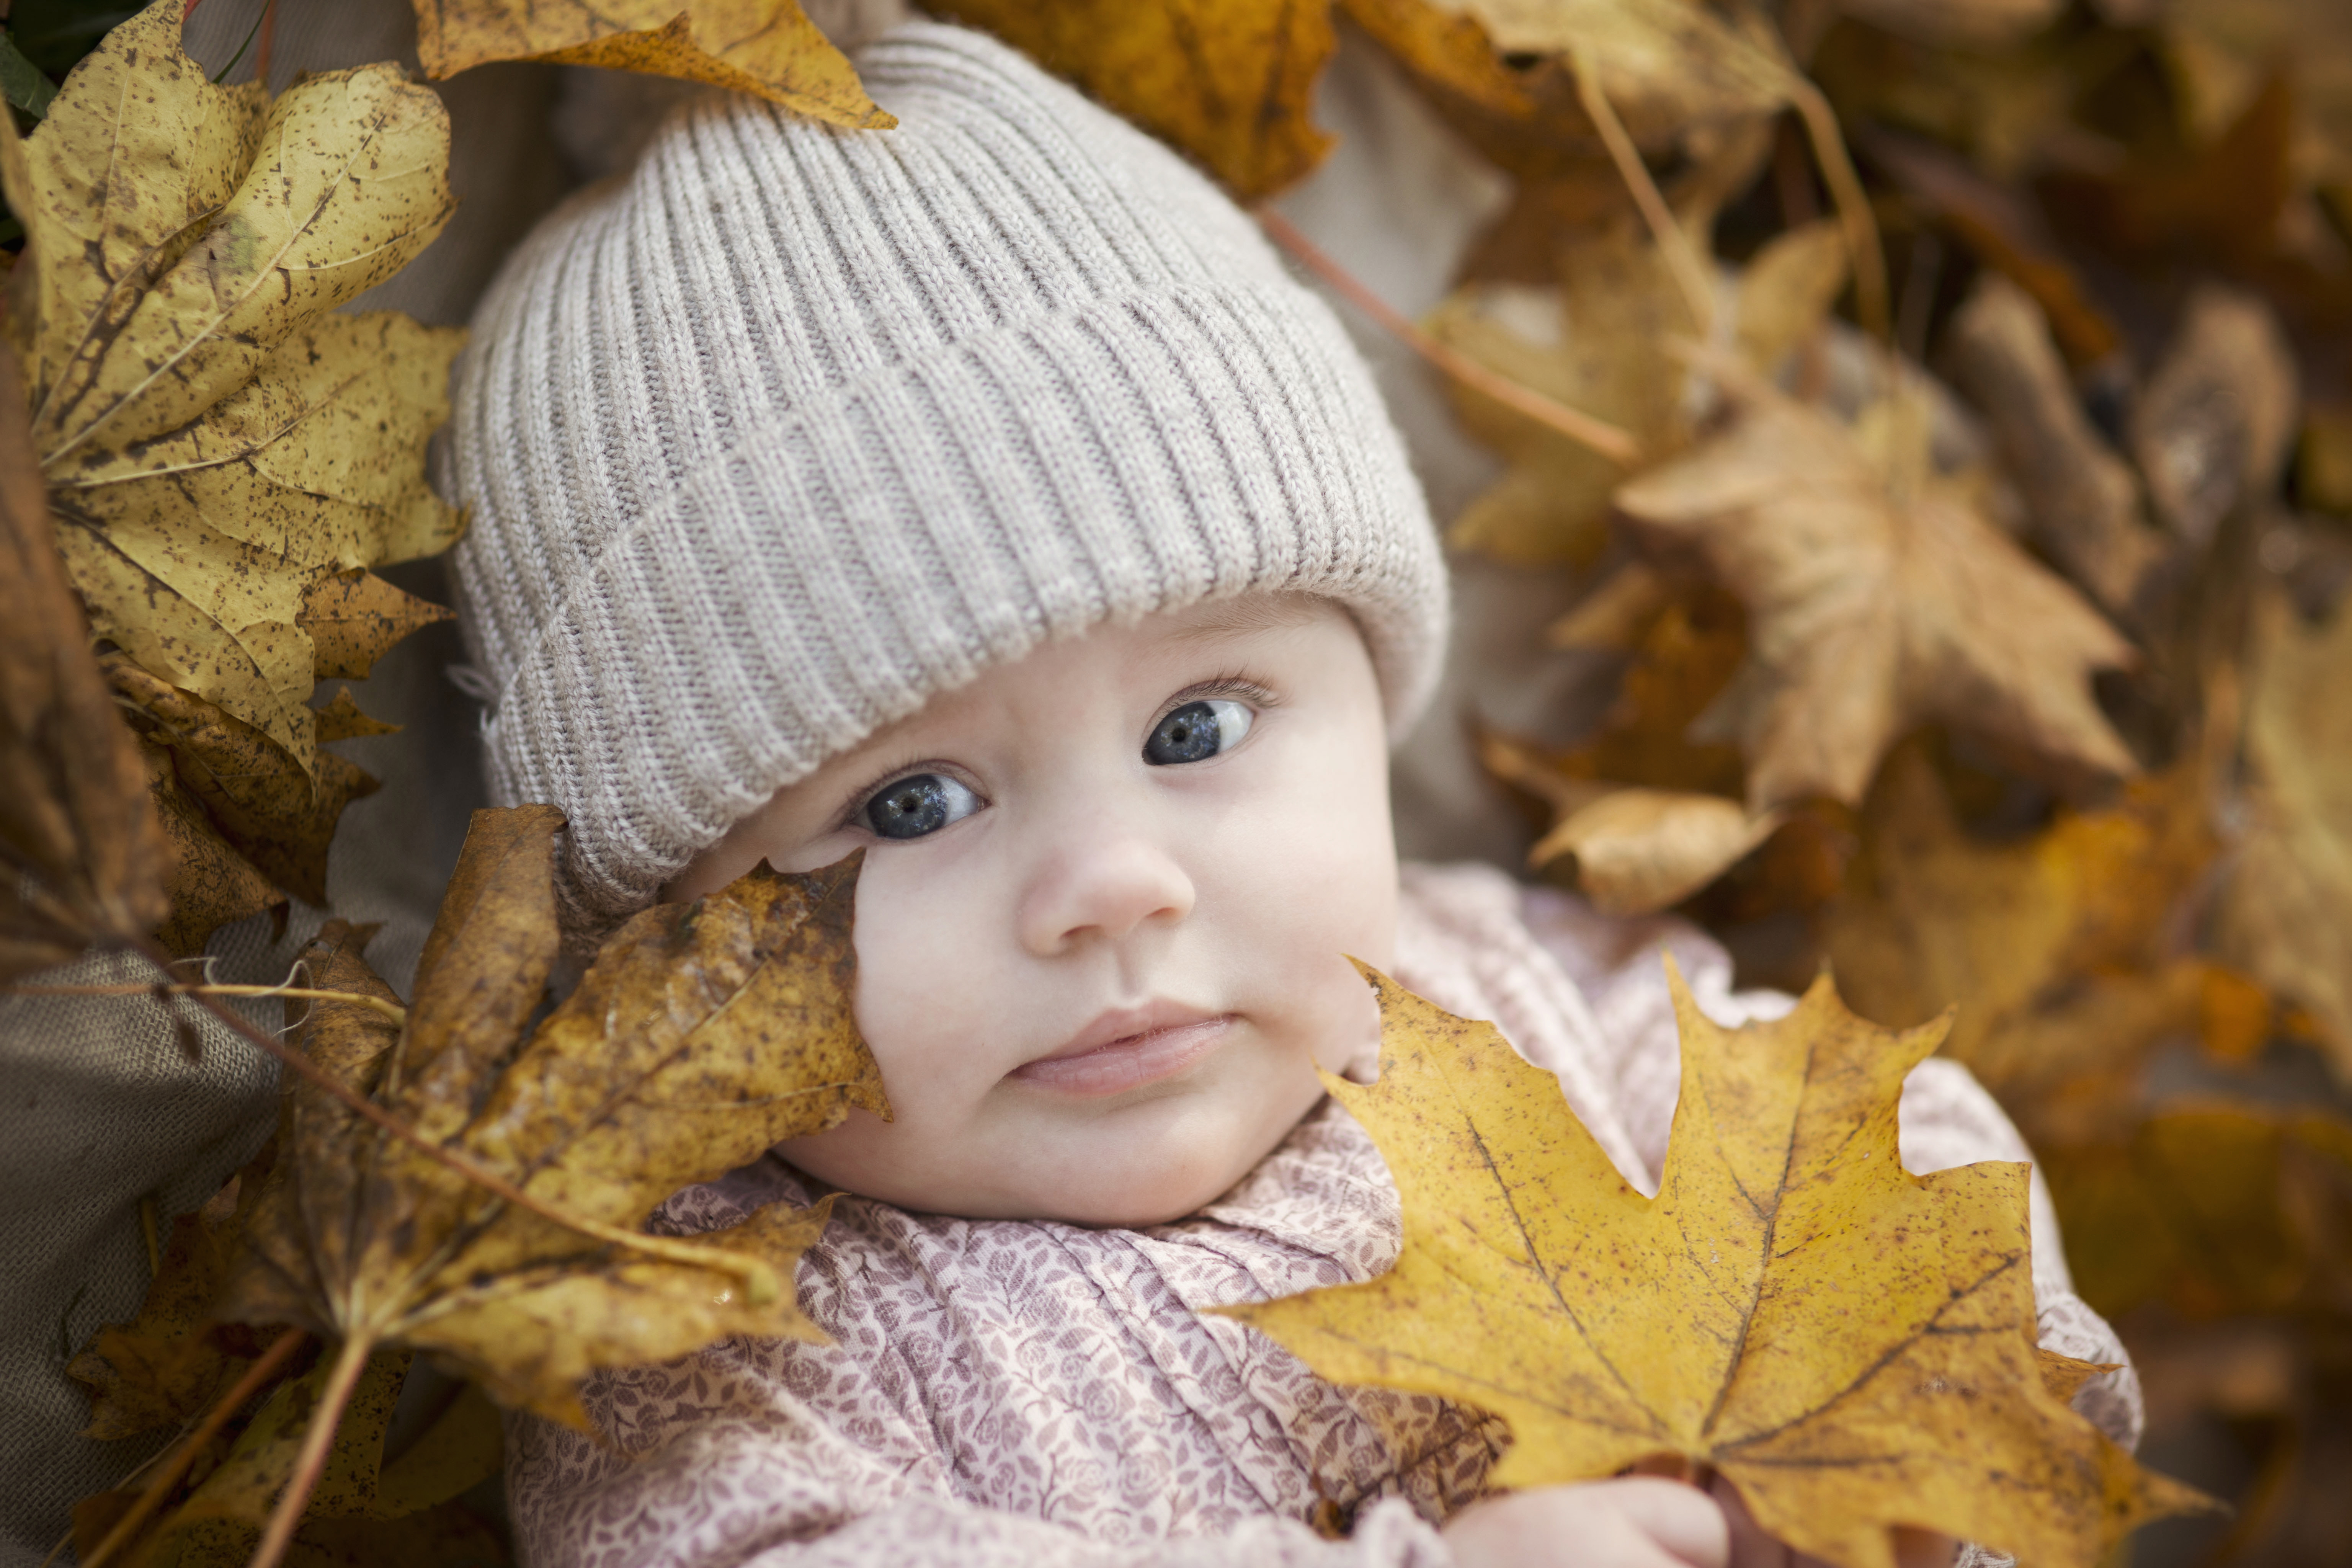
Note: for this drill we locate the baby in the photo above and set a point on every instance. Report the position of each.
(984, 495)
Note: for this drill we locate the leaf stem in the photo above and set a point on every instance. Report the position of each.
(1870, 294)
(317, 1439)
(391, 1010)
(1611, 441)
(760, 1284)
(272, 1361)
(1673, 242)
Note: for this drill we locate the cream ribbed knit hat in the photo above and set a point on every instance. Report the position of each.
(795, 427)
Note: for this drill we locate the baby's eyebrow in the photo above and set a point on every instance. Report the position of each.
(1223, 620)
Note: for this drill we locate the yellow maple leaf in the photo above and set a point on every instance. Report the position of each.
(1229, 82)
(766, 48)
(1849, 1345)
(215, 436)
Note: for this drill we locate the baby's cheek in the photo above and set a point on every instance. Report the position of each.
(921, 985)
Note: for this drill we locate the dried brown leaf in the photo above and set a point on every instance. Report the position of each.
(1229, 82)
(353, 618)
(2217, 420)
(161, 1369)
(2083, 500)
(1596, 345)
(768, 49)
(81, 854)
(2005, 229)
(701, 1036)
(341, 720)
(1637, 851)
(251, 793)
(1878, 599)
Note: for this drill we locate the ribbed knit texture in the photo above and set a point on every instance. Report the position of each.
(795, 427)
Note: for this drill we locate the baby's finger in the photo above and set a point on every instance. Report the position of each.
(1682, 1520)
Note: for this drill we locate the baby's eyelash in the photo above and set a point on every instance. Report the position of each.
(1234, 684)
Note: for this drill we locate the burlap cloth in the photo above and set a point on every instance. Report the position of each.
(105, 1109)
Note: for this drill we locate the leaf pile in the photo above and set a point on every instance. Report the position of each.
(1849, 1345)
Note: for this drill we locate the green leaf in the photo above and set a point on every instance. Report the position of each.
(21, 82)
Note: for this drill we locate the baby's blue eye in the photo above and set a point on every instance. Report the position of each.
(1197, 731)
(918, 803)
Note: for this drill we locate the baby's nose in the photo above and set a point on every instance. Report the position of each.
(1104, 890)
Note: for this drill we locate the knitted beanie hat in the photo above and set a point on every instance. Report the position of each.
(795, 427)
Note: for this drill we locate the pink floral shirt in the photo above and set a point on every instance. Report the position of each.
(1042, 1395)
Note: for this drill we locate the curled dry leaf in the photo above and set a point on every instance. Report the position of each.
(2216, 422)
(1638, 851)
(702, 1035)
(2053, 947)
(81, 854)
(248, 827)
(2083, 500)
(766, 48)
(1645, 815)
(1229, 82)
(2286, 910)
(215, 435)
(1878, 598)
(1849, 1345)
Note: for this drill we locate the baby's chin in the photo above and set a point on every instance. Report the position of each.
(1143, 1170)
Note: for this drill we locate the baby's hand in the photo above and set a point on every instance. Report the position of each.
(1636, 1522)
(1639, 1522)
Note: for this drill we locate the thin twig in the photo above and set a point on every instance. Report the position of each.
(391, 1010)
(1673, 242)
(272, 1361)
(1852, 203)
(318, 1438)
(1611, 441)
(759, 1279)
(269, 36)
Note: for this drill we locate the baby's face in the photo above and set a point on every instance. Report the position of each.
(1106, 893)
